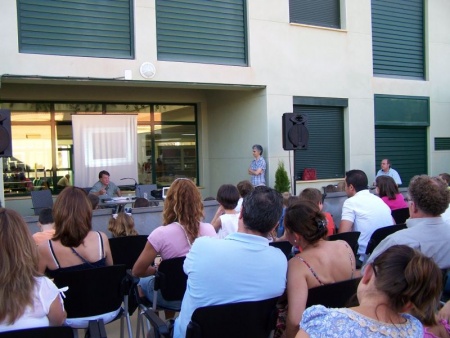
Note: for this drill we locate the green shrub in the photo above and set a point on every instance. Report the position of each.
(282, 183)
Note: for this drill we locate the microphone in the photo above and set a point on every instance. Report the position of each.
(130, 178)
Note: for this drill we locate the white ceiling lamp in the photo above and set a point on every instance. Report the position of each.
(147, 70)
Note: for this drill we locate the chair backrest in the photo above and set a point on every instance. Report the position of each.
(350, 237)
(40, 332)
(145, 188)
(238, 320)
(380, 234)
(284, 246)
(171, 279)
(93, 291)
(400, 215)
(126, 250)
(333, 295)
(41, 199)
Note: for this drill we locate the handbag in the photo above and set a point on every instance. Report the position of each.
(309, 174)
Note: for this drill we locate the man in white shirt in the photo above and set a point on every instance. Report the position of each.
(362, 211)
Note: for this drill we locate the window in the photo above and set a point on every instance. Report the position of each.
(398, 38)
(325, 124)
(43, 142)
(202, 31)
(324, 13)
(94, 28)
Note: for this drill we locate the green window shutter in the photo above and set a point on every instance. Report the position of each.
(398, 38)
(324, 13)
(405, 147)
(202, 31)
(94, 28)
(325, 150)
(442, 143)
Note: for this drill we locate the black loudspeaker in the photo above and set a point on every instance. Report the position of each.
(5, 133)
(295, 131)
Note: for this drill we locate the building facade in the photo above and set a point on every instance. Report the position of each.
(208, 79)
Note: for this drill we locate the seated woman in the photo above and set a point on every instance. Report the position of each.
(28, 299)
(74, 246)
(121, 225)
(400, 280)
(387, 189)
(320, 262)
(182, 215)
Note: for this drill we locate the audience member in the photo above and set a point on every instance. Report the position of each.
(225, 221)
(94, 200)
(314, 195)
(398, 281)
(75, 246)
(387, 189)
(320, 262)
(362, 211)
(257, 169)
(121, 225)
(182, 215)
(28, 299)
(141, 202)
(64, 182)
(104, 188)
(242, 267)
(280, 229)
(388, 171)
(26, 182)
(46, 225)
(426, 230)
(244, 188)
(446, 178)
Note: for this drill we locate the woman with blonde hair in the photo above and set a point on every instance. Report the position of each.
(398, 281)
(182, 215)
(27, 299)
(121, 225)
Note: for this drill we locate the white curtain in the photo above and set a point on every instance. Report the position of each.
(104, 142)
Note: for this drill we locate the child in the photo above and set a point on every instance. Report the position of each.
(225, 220)
(121, 225)
(315, 196)
(47, 226)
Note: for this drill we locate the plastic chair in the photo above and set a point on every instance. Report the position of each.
(380, 234)
(126, 250)
(171, 280)
(238, 320)
(284, 246)
(333, 295)
(350, 237)
(96, 291)
(41, 199)
(400, 215)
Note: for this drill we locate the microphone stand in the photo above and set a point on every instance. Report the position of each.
(130, 178)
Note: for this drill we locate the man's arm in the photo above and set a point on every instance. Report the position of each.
(345, 226)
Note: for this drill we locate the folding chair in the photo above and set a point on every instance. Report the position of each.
(238, 320)
(171, 280)
(400, 215)
(350, 237)
(334, 295)
(284, 246)
(40, 332)
(97, 291)
(41, 199)
(380, 234)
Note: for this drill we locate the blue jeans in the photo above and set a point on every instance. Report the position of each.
(146, 284)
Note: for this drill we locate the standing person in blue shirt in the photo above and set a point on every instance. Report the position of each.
(387, 170)
(257, 168)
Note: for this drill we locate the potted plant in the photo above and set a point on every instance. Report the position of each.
(282, 183)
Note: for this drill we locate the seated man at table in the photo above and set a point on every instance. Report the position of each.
(242, 266)
(104, 188)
